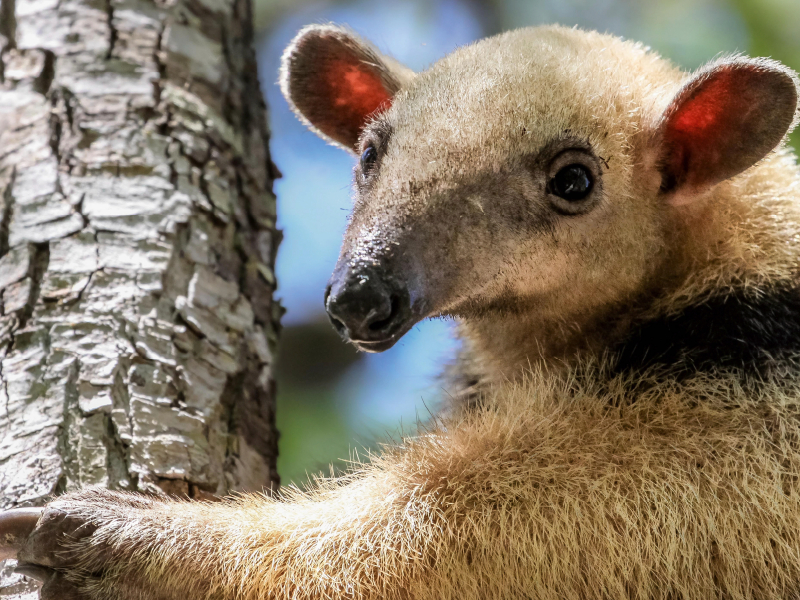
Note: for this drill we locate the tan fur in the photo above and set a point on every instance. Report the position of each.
(568, 481)
(545, 493)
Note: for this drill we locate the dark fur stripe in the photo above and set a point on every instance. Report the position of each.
(742, 329)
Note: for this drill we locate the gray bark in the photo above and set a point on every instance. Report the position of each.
(137, 243)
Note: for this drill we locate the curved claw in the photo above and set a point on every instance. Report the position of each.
(15, 527)
(34, 572)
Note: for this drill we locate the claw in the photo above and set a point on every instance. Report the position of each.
(34, 572)
(15, 527)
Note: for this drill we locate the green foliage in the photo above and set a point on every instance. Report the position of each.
(314, 434)
(774, 27)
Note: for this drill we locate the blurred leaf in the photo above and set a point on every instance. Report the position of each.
(774, 27)
(267, 12)
(314, 436)
(313, 355)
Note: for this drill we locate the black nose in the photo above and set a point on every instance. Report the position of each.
(367, 309)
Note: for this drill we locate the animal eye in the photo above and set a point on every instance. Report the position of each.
(573, 183)
(368, 158)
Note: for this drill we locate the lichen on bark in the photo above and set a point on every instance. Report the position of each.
(137, 245)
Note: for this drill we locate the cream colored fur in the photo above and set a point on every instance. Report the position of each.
(568, 482)
(547, 492)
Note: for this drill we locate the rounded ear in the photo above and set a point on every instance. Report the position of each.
(727, 117)
(335, 81)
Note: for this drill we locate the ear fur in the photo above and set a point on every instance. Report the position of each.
(335, 81)
(727, 117)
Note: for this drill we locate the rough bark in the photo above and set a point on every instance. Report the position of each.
(137, 238)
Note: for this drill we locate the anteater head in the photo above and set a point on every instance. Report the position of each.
(544, 166)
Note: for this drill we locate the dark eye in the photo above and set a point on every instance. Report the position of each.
(368, 158)
(573, 182)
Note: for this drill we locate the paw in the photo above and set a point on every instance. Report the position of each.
(16, 530)
(55, 542)
(69, 545)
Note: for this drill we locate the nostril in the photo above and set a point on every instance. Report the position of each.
(340, 327)
(337, 324)
(394, 309)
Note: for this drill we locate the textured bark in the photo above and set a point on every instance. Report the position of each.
(137, 240)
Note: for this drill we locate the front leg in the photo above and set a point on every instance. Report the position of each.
(548, 502)
(362, 540)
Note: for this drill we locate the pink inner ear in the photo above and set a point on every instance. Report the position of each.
(356, 91)
(701, 115)
(719, 125)
(697, 128)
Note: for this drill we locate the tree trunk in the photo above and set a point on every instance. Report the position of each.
(137, 241)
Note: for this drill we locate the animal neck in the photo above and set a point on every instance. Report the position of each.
(504, 346)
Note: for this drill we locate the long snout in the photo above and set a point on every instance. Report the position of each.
(369, 306)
